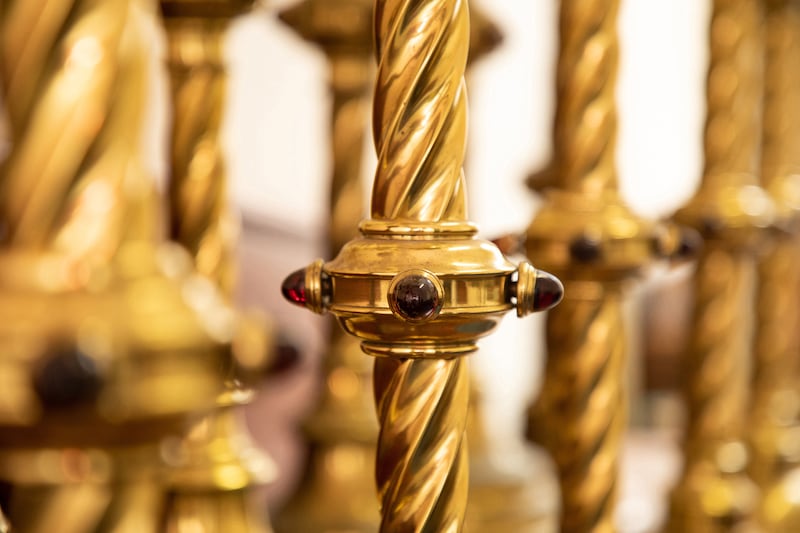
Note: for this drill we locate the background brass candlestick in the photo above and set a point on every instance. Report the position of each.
(507, 495)
(776, 399)
(731, 211)
(417, 288)
(337, 492)
(107, 340)
(588, 237)
(215, 464)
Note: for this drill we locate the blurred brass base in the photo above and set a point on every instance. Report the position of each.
(518, 495)
(717, 495)
(84, 491)
(210, 471)
(338, 493)
(780, 509)
(214, 512)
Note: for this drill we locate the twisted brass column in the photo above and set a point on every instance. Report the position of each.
(215, 465)
(731, 211)
(417, 288)
(106, 345)
(337, 490)
(586, 234)
(775, 409)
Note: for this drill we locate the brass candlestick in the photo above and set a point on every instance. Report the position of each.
(775, 406)
(731, 211)
(108, 341)
(417, 288)
(214, 466)
(337, 491)
(586, 234)
(505, 496)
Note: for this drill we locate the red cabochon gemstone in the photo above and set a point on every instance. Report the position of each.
(294, 287)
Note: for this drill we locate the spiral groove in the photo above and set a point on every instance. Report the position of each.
(580, 414)
(422, 457)
(419, 114)
(64, 176)
(586, 117)
(201, 218)
(732, 137)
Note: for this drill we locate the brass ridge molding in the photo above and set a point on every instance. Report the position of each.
(417, 288)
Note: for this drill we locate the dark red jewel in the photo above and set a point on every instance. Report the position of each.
(547, 292)
(294, 287)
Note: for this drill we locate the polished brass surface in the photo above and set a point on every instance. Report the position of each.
(732, 212)
(594, 242)
(215, 465)
(337, 490)
(775, 404)
(109, 339)
(419, 222)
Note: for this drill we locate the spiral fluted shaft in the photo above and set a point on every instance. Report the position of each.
(350, 83)
(419, 126)
(717, 388)
(734, 92)
(580, 415)
(422, 457)
(420, 114)
(62, 183)
(201, 218)
(777, 338)
(586, 116)
(780, 147)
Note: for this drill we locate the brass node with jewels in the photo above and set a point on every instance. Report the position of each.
(379, 294)
(378, 291)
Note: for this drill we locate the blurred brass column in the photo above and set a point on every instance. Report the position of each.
(732, 213)
(775, 432)
(337, 493)
(589, 238)
(504, 495)
(213, 468)
(105, 344)
(417, 287)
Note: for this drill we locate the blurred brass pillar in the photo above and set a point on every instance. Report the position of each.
(504, 495)
(589, 238)
(337, 493)
(775, 432)
(106, 345)
(731, 211)
(213, 468)
(417, 287)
